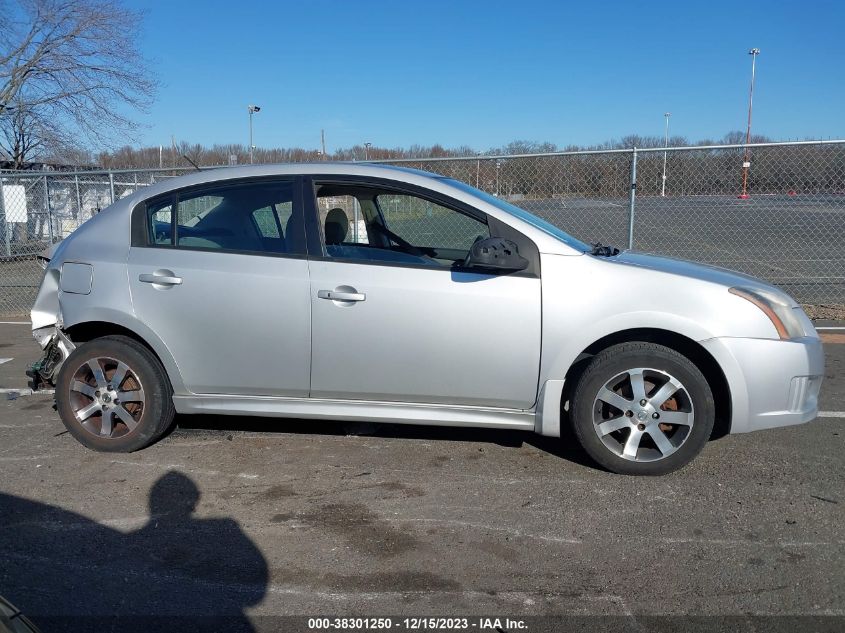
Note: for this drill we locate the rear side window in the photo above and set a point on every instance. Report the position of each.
(267, 222)
(243, 218)
(160, 222)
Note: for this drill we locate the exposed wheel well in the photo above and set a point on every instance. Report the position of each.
(681, 344)
(83, 332)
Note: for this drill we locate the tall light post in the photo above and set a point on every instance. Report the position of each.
(252, 110)
(746, 160)
(367, 150)
(665, 145)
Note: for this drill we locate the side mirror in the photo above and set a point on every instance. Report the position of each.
(495, 253)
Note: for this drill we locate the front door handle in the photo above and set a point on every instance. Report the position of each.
(159, 279)
(341, 295)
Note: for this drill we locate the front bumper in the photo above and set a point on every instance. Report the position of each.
(772, 382)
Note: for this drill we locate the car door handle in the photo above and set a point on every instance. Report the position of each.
(339, 295)
(161, 280)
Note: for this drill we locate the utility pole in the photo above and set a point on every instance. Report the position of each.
(323, 142)
(746, 160)
(665, 145)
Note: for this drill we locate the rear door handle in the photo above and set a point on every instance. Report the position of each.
(161, 280)
(338, 295)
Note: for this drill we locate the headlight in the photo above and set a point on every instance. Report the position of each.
(780, 313)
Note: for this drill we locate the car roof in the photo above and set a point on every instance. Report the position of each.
(428, 180)
(216, 174)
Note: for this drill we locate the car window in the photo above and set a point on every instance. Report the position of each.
(522, 214)
(272, 219)
(366, 223)
(350, 207)
(426, 224)
(160, 222)
(243, 218)
(267, 222)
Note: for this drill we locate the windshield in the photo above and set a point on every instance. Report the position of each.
(522, 214)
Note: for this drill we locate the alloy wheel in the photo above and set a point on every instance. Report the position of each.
(643, 414)
(107, 397)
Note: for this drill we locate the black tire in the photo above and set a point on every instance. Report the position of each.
(586, 411)
(151, 416)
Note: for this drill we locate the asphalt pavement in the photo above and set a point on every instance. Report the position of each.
(254, 519)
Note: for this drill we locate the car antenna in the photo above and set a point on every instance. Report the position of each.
(197, 167)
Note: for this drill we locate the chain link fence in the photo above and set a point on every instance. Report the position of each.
(685, 202)
(38, 209)
(681, 202)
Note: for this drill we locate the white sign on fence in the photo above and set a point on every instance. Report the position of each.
(14, 203)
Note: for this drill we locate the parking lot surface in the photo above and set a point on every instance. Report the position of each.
(253, 518)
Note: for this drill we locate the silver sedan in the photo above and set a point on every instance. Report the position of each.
(363, 292)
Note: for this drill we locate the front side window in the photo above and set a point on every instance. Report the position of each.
(379, 225)
(427, 224)
(343, 219)
(522, 214)
(249, 218)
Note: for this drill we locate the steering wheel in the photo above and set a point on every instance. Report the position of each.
(405, 245)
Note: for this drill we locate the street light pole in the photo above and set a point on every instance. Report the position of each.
(746, 160)
(665, 145)
(367, 151)
(252, 110)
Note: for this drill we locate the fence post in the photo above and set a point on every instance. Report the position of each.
(49, 211)
(7, 229)
(78, 201)
(111, 187)
(633, 199)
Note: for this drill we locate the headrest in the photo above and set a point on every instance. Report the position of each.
(337, 226)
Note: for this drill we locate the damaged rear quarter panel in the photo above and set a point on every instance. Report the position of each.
(103, 243)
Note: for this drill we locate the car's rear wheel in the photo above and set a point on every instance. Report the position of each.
(642, 409)
(113, 395)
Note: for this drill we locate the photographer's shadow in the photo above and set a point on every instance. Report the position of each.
(67, 572)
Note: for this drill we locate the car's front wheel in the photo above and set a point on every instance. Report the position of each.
(113, 395)
(642, 409)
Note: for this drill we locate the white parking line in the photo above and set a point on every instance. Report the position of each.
(830, 328)
(832, 414)
(5, 360)
(14, 322)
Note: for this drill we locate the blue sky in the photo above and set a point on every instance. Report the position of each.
(483, 73)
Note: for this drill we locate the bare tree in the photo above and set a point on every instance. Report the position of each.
(18, 140)
(75, 62)
(27, 135)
